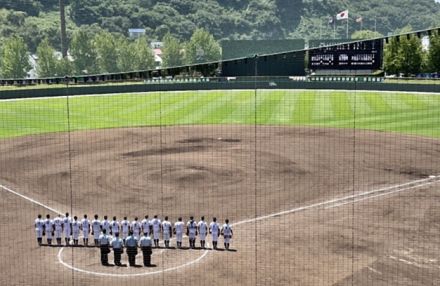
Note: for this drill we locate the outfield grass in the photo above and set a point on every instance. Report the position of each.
(400, 112)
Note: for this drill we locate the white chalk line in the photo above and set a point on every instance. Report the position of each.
(31, 200)
(327, 204)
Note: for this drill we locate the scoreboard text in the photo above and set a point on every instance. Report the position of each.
(353, 56)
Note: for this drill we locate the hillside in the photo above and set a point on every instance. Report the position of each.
(226, 19)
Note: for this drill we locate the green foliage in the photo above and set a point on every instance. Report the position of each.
(14, 58)
(105, 46)
(125, 55)
(434, 53)
(365, 34)
(172, 54)
(202, 48)
(410, 55)
(47, 61)
(143, 56)
(391, 60)
(64, 67)
(403, 56)
(83, 52)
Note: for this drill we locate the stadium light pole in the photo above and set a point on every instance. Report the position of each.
(63, 28)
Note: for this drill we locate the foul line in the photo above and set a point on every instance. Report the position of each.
(31, 200)
(327, 204)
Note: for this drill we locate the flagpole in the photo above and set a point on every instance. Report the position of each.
(347, 28)
(334, 29)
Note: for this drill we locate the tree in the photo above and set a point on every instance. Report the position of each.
(410, 55)
(365, 34)
(83, 52)
(105, 45)
(47, 61)
(15, 61)
(172, 52)
(64, 67)
(144, 58)
(125, 55)
(434, 53)
(391, 57)
(202, 48)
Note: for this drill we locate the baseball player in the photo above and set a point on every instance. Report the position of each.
(85, 226)
(136, 228)
(131, 244)
(105, 224)
(104, 245)
(58, 223)
(118, 249)
(145, 223)
(96, 230)
(214, 230)
(178, 231)
(145, 245)
(202, 226)
(48, 229)
(114, 226)
(191, 231)
(76, 226)
(167, 232)
(67, 223)
(227, 233)
(39, 229)
(125, 226)
(156, 225)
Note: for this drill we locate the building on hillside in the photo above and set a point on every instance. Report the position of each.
(136, 33)
(158, 57)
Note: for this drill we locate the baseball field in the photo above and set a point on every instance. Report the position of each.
(321, 187)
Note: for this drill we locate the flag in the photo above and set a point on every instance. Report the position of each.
(342, 16)
(359, 20)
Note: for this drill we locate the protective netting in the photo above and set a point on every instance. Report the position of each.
(325, 186)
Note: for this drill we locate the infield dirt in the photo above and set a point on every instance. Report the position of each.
(235, 172)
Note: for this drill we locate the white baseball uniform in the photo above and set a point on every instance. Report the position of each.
(125, 225)
(214, 228)
(105, 224)
(146, 226)
(48, 228)
(136, 227)
(203, 229)
(166, 228)
(156, 228)
(227, 232)
(76, 229)
(66, 226)
(179, 226)
(96, 228)
(114, 225)
(58, 223)
(85, 226)
(192, 229)
(39, 225)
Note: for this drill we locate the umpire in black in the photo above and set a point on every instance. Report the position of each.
(131, 245)
(145, 244)
(104, 245)
(118, 249)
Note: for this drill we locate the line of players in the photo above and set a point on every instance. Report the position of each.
(72, 228)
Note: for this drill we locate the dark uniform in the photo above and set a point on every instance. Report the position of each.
(131, 245)
(104, 245)
(145, 244)
(117, 246)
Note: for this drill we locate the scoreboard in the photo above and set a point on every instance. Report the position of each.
(365, 55)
